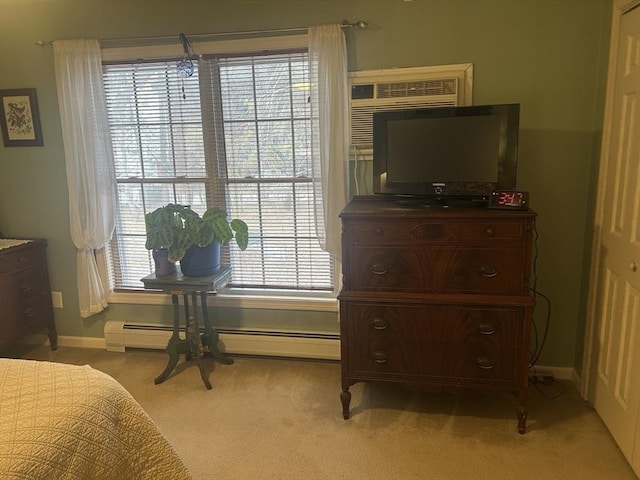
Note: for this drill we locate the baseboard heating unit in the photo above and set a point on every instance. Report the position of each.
(120, 335)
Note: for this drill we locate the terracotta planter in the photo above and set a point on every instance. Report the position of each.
(201, 261)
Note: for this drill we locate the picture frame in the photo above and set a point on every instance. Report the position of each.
(19, 118)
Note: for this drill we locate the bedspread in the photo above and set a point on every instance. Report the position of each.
(62, 421)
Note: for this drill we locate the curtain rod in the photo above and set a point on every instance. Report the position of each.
(360, 25)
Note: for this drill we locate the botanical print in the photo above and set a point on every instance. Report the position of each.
(17, 112)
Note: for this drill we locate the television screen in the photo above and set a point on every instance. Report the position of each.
(446, 151)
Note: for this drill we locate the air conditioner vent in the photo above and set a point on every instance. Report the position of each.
(447, 86)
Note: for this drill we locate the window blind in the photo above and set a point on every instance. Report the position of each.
(235, 134)
(156, 129)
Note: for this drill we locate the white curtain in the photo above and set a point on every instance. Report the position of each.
(89, 162)
(330, 140)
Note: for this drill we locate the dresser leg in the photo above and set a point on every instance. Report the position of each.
(345, 398)
(522, 419)
(53, 339)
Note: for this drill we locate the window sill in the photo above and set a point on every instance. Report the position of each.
(227, 298)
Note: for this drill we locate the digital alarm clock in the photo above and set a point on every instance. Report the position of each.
(509, 199)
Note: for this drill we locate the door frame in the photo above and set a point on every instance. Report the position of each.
(589, 358)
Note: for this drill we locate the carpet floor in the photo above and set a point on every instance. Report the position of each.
(281, 419)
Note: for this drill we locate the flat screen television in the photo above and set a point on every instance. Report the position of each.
(443, 153)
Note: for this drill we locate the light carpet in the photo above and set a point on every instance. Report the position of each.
(281, 419)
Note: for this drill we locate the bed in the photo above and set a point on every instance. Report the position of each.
(61, 421)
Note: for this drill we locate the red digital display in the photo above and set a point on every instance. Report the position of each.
(509, 199)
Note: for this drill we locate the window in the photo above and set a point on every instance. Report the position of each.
(236, 133)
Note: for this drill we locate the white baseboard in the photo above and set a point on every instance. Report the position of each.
(120, 335)
(559, 373)
(66, 341)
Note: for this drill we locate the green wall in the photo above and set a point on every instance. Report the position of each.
(548, 55)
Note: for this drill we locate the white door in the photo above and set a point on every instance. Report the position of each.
(613, 351)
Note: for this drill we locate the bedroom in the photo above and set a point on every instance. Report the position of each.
(550, 56)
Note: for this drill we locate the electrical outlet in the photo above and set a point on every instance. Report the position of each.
(56, 299)
(541, 378)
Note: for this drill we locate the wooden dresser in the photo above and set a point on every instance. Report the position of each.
(25, 293)
(436, 296)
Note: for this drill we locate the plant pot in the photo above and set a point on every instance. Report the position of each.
(201, 261)
(163, 265)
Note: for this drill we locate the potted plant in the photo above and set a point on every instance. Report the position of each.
(183, 235)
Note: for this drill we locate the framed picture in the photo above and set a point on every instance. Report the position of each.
(19, 118)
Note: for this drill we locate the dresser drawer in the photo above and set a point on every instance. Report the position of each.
(384, 232)
(17, 258)
(413, 232)
(25, 298)
(26, 284)
(32, 312)
(467, 342)
(441, 270)
(491, 231)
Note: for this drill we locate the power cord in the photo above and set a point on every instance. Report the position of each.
(538, 342)
(544, 383)
(540, 383)
(356, 160)
(535, 355)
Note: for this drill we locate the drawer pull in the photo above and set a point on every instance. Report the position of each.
(488, 271)
(25, 288)
(487, 328)
(378, 231)
(28, 312)
(379, 357)
(379, 269)
(379, 324)
(485, 363)
(490, 231)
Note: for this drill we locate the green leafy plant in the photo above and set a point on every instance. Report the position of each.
(177, 227)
